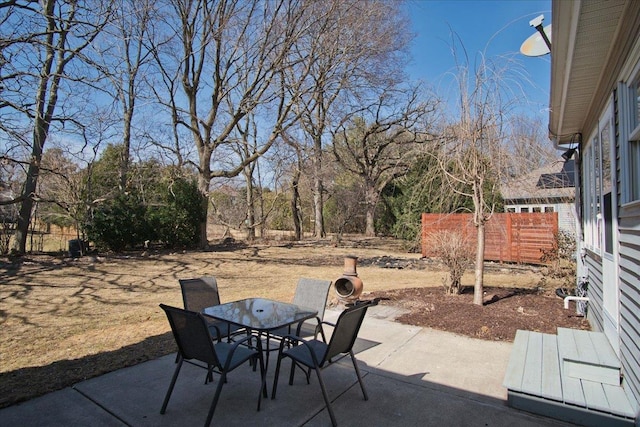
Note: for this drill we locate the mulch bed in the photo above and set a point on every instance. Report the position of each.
(505, 311)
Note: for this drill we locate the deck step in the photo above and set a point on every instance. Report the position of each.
(537, 381)
(588, 356)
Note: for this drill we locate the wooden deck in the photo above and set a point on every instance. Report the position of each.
(573, 376)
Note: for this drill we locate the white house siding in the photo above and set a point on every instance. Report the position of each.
(566, 217)
(629, 227)
(593, 266)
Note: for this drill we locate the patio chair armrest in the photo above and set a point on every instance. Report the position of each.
(246, 338)
(324, 322)
(299, 328)
(291, 338)
(218, 335)
(320, 330)
(235, 346)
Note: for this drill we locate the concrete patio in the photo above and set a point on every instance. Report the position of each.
(414, 377)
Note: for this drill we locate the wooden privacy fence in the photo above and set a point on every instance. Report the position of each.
(509, 237)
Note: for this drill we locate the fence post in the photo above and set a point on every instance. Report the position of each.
(509, 230)
(423, 233)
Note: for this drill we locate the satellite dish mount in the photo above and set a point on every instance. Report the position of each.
(540, 43)
(537, 24)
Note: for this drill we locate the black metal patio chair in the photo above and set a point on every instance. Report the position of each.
(195, 342)
(310, 293)
(199, 293)
(318, 355)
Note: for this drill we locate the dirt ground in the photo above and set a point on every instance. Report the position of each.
(65, 320)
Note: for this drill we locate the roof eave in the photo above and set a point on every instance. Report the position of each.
(564, 29)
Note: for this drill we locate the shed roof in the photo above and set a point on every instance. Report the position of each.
(552, 181)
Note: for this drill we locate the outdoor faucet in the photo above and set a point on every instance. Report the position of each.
(573, 298)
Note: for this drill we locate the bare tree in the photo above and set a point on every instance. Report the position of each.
(296, 171)
(528, 146)
(246, 146)
(473, 155)
(123, 56)
(377, 145)
(350, 46)
(61, 190)
(44, 41)
(229, 57)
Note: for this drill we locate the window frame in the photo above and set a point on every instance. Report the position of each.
(592, 183)
(629, 89)
(633, 142)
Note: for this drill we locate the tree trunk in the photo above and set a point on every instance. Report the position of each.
(251, 214)
(203, 187)
(29, 190)
(126, 148)
(478, 288)
(318, 190)
(24, 215)
(371, 201)
(318, 203)
(295, 204)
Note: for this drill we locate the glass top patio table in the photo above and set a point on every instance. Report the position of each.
(260, 314)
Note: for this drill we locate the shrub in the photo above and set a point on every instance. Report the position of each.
(177, 221)
(453, 249)
(119, 223)
(560, 259)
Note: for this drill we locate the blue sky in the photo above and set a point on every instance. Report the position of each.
(499, 26)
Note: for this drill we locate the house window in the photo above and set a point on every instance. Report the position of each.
(598, 185)
(511, 210)
(537, 209)
(524, 210)
(549, 209)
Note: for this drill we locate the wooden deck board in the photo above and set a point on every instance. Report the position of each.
(595, 397)
(605, 353)
(532, 378)
(618, 400)
(517, 361)
(572, 391)
(567, 345)
(551, 384)
(584, 345)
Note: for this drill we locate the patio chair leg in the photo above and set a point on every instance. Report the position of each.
(263, 381)
(334, 423)
(209, 378)
(307, 372)
(293, 371)
(250, 344)
(173, 383)
(275, 378)
(355, 365)
(223, 379)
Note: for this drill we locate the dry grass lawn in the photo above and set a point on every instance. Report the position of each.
(64, 320)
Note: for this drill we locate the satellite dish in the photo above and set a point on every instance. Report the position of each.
(535, 45)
